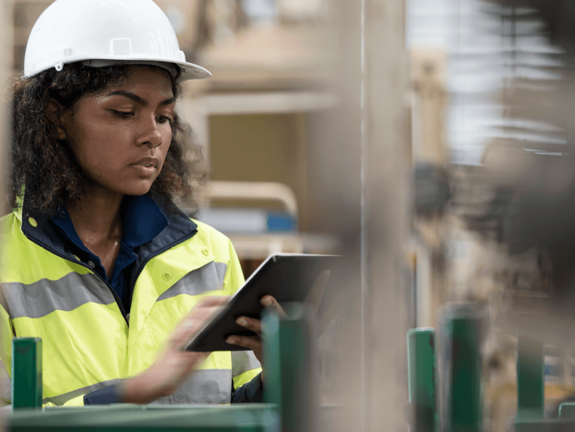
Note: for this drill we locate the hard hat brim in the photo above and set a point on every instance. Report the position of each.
(189, 70)
(193, 71)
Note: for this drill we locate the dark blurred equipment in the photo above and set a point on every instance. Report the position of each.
(431, 190)
(524, 195)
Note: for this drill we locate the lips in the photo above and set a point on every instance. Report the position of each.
(146, 167)
(147, 162)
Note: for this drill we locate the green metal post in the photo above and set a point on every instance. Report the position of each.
(421, 378)
(26, 373)
(465, 407)
(567, 410)
(530, 379)
(289, 370)
(271, 348)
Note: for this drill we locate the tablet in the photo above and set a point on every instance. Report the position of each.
(286, 277)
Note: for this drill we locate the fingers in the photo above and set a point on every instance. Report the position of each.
(270, 302)
(251, 324)
(212, 301)
(255, 324)
(253, 343)
(201, 313)
(204, 310)
(183, 333)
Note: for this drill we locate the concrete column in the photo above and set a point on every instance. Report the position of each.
(6, 59)
(386, 166)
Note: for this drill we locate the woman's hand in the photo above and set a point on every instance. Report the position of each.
(173, 365)
(254, 343)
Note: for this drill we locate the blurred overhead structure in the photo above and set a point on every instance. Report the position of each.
(270, 62)
(486, 48)
(272, 57)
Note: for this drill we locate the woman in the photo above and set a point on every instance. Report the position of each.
(98, 262)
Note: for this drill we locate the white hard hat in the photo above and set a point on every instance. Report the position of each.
(109, 30)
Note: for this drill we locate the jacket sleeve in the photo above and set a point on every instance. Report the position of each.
(6, 335)
(249, 392)
(103, 396)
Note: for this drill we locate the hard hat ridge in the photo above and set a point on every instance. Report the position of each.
(112, 31)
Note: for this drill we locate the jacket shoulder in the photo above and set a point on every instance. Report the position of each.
(223, 251)
(10, 221)
(212, 238)
(209, 232)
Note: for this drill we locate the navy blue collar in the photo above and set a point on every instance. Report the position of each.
(142, 216)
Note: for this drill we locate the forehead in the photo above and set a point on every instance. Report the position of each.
(150, 79)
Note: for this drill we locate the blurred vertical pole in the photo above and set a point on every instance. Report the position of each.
(429, 100)
(335, 153)
(26, 373)
(421, 375)
(6, 58)
(385, 215)
(463, 327)
(361, 168)
(530, 378)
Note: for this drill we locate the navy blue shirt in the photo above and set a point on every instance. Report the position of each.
(143, 220)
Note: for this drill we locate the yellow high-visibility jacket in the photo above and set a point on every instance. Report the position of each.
(88, 342)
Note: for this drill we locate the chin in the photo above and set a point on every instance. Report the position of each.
(142, 188)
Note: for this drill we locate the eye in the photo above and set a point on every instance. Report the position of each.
(124, 113)
(163, 119)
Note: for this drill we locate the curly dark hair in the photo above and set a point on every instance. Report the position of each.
(46, 168)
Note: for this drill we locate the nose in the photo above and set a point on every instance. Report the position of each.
(150, 134)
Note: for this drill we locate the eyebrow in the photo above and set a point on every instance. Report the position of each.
(139, 99)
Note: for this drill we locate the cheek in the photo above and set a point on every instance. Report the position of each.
(166, 141)
(100, 149)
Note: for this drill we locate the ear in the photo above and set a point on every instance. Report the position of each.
(55, 113)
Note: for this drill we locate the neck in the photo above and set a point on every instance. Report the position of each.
(97, 217)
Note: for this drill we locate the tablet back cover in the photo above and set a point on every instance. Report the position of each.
(287, 277)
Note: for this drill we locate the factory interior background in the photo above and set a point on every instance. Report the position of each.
(431, 140)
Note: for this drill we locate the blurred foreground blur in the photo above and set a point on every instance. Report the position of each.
(500, 236)
(430, 140)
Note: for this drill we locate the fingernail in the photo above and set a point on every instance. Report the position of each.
(266, 302)
(242, 322)
(231, 340)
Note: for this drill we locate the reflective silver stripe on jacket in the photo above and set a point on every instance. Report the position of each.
(243, 361)
(40, 298)
(206, 386)
(207, 278)
(63, 398)
(5, 384)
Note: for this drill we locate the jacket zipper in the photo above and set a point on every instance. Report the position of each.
(155, 254)
(118, 300)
